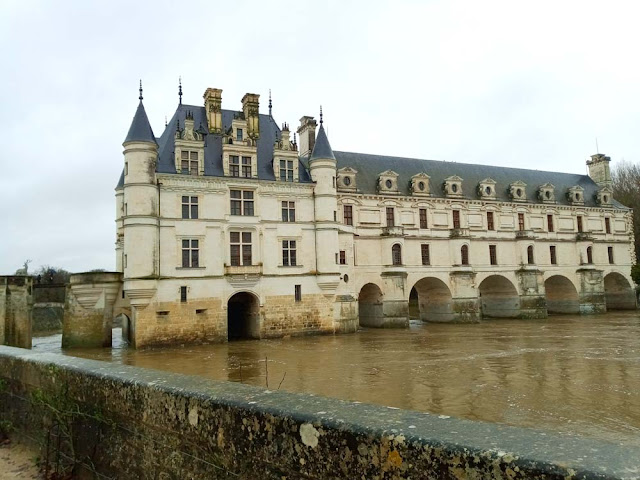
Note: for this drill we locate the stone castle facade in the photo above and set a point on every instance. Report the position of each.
(230, 226)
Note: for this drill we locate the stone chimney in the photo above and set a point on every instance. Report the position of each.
(285, 137)
(213, 107)
(599, 170)
(307, 133)
(250, 106)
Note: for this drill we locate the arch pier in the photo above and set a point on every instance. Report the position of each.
(619, 294)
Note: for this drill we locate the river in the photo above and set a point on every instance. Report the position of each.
(577, 375)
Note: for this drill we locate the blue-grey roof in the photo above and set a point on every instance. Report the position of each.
(369, 168)
(321, 148)
(140, 130)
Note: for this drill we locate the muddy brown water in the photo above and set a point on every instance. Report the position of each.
(576, 375)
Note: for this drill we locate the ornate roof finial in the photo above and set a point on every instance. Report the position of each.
(180, 89)
(140, 90)
(294, 139)
(321, 115)
(270, 104)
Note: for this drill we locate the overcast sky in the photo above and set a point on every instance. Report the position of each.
(514, 83)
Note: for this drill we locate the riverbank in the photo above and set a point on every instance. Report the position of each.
(18, 461)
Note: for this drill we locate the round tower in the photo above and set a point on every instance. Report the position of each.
(140, 199)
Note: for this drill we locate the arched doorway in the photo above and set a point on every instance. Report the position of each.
(370, 306)
(499, 298)
(618, 292)
(243, 317)
(562, 296)
(433, 300)
(124, 321)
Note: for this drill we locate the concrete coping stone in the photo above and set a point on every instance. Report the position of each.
(541, 451)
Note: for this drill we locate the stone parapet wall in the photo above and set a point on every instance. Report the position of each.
(16, 301)
(282, 315)
(127, 422)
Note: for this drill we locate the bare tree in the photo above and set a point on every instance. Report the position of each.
(626, 189)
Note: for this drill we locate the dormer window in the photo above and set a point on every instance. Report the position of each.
(604, 197)
(575, 195)
(189, 162)
(347, 179)
(420, 184)
(239, 134)
(453, 186)
(388, 182)
(517, 190)
(546, 193)
(286, 170)
(487, 189)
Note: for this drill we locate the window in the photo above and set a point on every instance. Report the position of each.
(348, 215)
(426, 258)
(396, 254)
(552, 255)
(298, 293)
(579, 222)
(335, 216)
(289, 253)
(125, 261)
(126, 168)
(521, 222)
(240, 243)
(183, 294)
(286, 170)
(234, 165)
(490, 225)
(456, 219)
(343, 257)
(464, 255)
(242, 202)
(530, 259)
(493, 256)
(239, 134)
(423, 218)
(550, 223)
(390, 217)
(189, 207)
(190, 253)
(610, 253)
(607, 224)
(189, 162)
(288, 211)
(246, 167)
(589, 254)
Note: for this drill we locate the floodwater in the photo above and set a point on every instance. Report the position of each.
(577, 375)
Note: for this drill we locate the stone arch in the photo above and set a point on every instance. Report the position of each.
(370, 311)
(562, 296)
(433, 299)
(243, 316)
(499, 297)
(618, 292)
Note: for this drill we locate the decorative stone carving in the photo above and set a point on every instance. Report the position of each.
(604, 196)
(487, 189)
(546, 193)
(388, 182)
(518, 192)
(453, 186)
(420, 185)
(347, 179)
(575, 195)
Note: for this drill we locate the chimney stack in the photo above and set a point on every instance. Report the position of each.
(213, 108)
(250, 106)
(307, 133)
(599, 170)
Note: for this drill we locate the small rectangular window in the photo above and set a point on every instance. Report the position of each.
(521, 222)
(298, 293)
(579, 222)
(493, 257)
(490, 225)
(126, 168)
(391, 221)
(426, 257)
(289, 253)
(190, 253)
(607, 224)
(550, 223)
(239, 134)
(189, 207)
(246, 167)
(552, 255)
(348, 215)
(234, 165)
(343, 257)
(288, 211)
(423, 218)
(183, 294)
(456, 219)
(610, 253)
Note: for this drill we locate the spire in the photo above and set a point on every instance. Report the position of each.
(140, 130)
(270, 104)
(322, 149)
(180, 89)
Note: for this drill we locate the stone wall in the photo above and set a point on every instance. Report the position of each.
(16, 300)
(128, 422)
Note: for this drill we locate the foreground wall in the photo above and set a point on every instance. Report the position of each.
(128, 422)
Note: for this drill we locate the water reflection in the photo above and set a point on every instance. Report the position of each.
(572, 374)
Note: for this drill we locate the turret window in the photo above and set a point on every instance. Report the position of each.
(286, 170)
(189, 162)
(242, 202)
(189, 207)
(240, 248)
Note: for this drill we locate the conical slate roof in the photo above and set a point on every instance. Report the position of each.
(322, 149)
(140, 130)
